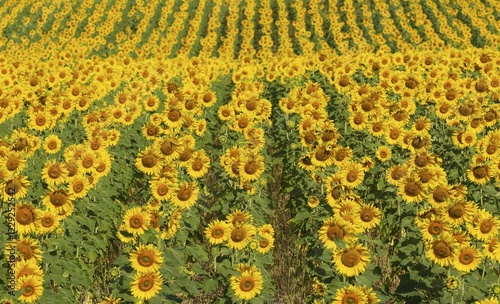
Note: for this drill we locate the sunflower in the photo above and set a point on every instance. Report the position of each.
(199, 164)
(151, 103)
(265, 243)
(241, 122)
(149, 161)
(87, 160)
(161, 188)
(239, 217)
(440, 196)
(334, 190)
(103, 165)
(442, 250)
(59, 201)
(54, 173)
(247, 285)
(110, 300)
(266, 229)
(342, 155)
(240, 235)
(79, 186)
(393, 134)
(169, 149)
(484, 225)
(25, 268)
(136, 221)
(217, 232)
(14, 162)
(422, 124)
(173, 118)
(377, 128)
(255, 138)
(305, 163)
(369, 215)
(491, 300)
(352, 260)
(370, 295)
(31, 287)
(396, 174)
(350, 294)
(146, 285)
(336, 229)
(169, 229)
(480, 174)
(319, 288)
(28, 249)
(461, 212)
(185, 195)
(322, 156)
(432, 227)
(412, 190)
(467, 259)
(383, 153)
(146, 258)
(15, 188)
(26, 218)
(251, 167)
(226, 112)
(491, 249)
(358, 120)
(40, 121)
(123, 235)
(47, 222)
(313, 201)
(352, 174)
(348, 203)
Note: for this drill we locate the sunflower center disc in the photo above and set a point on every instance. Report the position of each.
(456, 211)
(352, 176)
(367, 215)
(47, 222)
(412, 189)
(217, 233)
(238, 235)
(350, 258)
(145, 261)
(479, 172)
(465, 258)
(58, 199)
(335, 232)
(246, 284)
(145, 284)
(441, 250)
(135, 222)
(28, 290)
(485, 227)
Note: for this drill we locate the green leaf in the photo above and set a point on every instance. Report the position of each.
(175, 256)
(209, 285)
(91, 255)
(198, 252)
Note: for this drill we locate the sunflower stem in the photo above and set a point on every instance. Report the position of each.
(481, 195)
(484, 268)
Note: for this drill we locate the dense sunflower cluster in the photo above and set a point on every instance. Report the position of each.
(461, 92)
(27, 269)
(114, 66)
(351, 216)
(245, 114)
(238, 232)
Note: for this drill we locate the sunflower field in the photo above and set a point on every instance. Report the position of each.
(258, 151)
